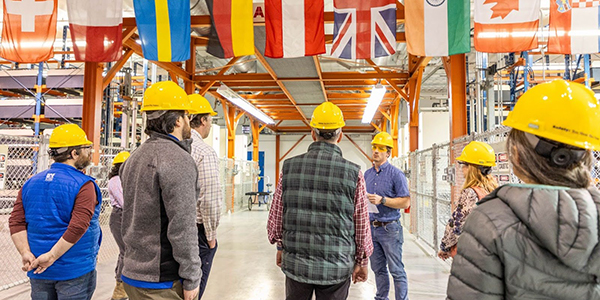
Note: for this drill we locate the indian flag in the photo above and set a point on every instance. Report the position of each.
(438, 27)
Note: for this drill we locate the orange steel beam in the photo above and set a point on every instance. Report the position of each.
(379, 71)
(376, 127)
(364, 96)
(169, 66)
(53, 92)
(128, 32)
(327, 76)
(296, 144)
(266, 65)
(458, 94)
(358, 147)
(395, 110)
(358, 63)
(91, 120)
(320, 72)
(224, 69)
(414, 86)
(221, 67)
(116, 68)
(9, 94)
(255, 135)
(385, 114)
(190, 68)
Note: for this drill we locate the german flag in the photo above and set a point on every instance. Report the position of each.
(232, 31)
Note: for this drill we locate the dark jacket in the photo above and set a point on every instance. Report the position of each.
(159, 213)
(530, 242)
(318, 215)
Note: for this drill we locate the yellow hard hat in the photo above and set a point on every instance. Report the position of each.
(562, 111)
(200, 105)
(383, 138)
(478, 153)
(121, 157)
(165, 95)
(327, 116)
(68, 135)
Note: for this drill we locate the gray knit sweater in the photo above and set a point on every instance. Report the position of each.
(159, 213)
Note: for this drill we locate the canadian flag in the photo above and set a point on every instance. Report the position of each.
(294, 28)
(29, 30)
(506, 25)
(96, 29)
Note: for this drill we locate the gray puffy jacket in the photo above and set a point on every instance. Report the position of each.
(530, 242)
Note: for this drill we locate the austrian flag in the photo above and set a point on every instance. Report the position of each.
(364, 29)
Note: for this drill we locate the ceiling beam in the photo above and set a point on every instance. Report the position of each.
(207, 86)
(326, 76)
(320, 73)
(168, 66)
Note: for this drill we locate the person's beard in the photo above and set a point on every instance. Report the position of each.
(186, 133)
(82, 162)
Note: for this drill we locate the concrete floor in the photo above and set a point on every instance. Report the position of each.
(244, 267)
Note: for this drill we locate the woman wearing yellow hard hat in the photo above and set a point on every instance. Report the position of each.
(539, 239)
(476, 162)
(115, 193)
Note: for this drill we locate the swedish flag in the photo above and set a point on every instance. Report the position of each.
(164, 27)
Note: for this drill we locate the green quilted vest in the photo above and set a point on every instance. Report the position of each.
(318, 215)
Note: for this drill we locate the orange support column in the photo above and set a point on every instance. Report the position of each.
(255, 126)
(190, 68)
(414, 93)
(458, 93)
(92, 105)
(394, 111)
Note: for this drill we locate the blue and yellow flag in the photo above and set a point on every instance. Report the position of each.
(164, 27)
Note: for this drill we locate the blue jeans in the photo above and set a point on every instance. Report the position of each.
(387, 253)
(80, 288)
(206, 256)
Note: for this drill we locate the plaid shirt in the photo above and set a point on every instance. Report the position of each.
(364, 242)
(210, 198)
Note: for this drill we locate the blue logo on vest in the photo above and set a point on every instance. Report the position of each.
(49, 176)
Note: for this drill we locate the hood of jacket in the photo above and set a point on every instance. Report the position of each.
(563, 220)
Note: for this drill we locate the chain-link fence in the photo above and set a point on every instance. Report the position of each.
(22, 157)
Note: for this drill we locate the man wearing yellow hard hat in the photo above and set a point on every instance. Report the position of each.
(54, 223)
(210, 198)
(540, 239)
(388, 189)
(115, 193)
(322, 228)
(159, 202)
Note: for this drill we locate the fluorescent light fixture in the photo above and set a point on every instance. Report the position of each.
(242, 103)
(374, 101)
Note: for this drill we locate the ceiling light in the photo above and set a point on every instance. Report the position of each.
(376, 96)
(243, 104)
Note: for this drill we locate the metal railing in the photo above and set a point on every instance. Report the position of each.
(22, 157)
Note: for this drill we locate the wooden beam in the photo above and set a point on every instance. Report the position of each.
(116, 68)
(320, 73)
(271, 72)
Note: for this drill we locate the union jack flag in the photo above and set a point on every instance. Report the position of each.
(364, 29)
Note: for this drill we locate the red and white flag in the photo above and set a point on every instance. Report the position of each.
(29, 30)
(574, 27)
(506, 25)
(96, 29)
(294, 28)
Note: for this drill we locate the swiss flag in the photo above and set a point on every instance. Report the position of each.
(96, 29)
(29, 30)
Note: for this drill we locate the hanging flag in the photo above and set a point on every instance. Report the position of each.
(294, 28)
(96, 29)
(29, 30)
(164, 27)
(506, 25)
(232, 30)
(364, 29)
(574, 27)
(438, 27)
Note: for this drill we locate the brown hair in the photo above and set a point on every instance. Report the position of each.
(476, 178)
(538, 169)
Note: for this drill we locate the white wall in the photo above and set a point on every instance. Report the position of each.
(434, 128)
(267, 144)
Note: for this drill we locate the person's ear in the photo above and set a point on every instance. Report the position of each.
(313, 134)
(340, 138)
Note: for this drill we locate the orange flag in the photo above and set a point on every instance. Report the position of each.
(29, 30)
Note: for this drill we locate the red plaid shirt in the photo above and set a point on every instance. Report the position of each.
(362, 228)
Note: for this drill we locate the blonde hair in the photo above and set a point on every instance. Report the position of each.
(476, 178)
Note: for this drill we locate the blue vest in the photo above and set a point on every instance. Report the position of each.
(48, 200)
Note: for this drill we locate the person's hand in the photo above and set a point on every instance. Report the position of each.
(443, 255)
(27, 259)
(191, 295)
(212, 244)
(278, 258)
(43, 262)
(375, 199)
(360, 274)
(453, 251)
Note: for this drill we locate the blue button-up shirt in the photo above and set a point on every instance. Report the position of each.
(389, 182)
